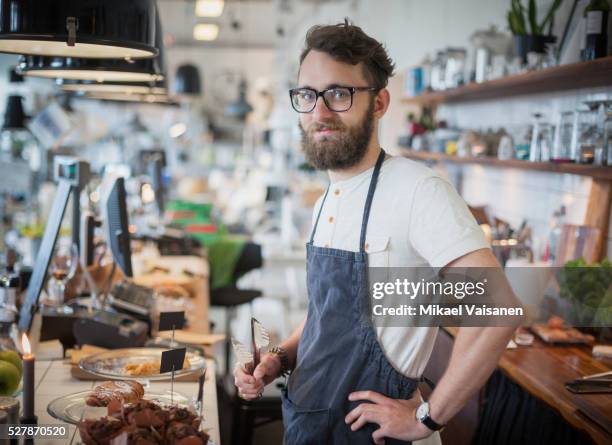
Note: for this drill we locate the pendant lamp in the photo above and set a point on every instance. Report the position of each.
(99, 70)
(80, 86)
(14, 116)
(187, 81)
(79, 28)
(240, 108)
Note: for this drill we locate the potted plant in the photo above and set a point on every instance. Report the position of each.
(529, 35)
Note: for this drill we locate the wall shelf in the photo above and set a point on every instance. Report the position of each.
(593, 171)
(595, 73)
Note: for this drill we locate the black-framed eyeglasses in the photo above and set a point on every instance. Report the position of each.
(338, 98)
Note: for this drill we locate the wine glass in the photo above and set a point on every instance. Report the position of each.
(62, 268)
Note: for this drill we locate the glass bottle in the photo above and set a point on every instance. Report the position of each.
(562, 148)
(596, 16)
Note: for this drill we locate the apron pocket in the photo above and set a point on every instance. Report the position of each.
(304, 426)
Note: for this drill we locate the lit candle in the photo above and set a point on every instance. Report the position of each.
(28, 382)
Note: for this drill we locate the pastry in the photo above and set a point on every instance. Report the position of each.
(148, 368)
(143, 423)
(100, 431)
(127, 391)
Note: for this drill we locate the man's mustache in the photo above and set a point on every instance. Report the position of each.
(330, 126)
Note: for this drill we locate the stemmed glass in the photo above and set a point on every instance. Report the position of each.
(62, 268)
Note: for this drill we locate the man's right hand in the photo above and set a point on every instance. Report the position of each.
(250, 387)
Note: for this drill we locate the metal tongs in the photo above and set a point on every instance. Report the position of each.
(604, 378)
(260, 338)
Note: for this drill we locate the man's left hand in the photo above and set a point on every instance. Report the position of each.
(396, 418)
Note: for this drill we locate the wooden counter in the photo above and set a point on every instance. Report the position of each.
(542, 370)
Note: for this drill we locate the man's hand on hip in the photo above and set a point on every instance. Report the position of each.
(396, 418)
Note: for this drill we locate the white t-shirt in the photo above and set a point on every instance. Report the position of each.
(417, 219)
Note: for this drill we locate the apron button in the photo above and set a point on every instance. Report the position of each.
(331, 219)
(337, 192)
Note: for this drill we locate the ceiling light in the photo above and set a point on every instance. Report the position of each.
(187, 80)
(209, 8)
(112, 87)
(121, 97)
(111, 70)
(99, 70)
(205, 31)
(68, 28)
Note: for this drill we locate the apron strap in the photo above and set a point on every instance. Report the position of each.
(314, 228)
(429, 383)
(368, 203)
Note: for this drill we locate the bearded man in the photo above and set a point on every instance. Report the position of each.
(351, 382)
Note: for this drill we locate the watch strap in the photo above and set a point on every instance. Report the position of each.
(284, 359)
(431, 424)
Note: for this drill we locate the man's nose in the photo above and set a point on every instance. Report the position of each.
(321, 112)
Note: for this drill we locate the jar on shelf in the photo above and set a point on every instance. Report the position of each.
(564, 143)
(589, 135)
(540, 148)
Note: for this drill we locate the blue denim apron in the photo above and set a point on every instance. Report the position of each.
(338, 351)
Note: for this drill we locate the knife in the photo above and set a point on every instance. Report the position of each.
(260, 338)
(200, 399)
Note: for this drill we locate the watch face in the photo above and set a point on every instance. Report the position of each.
(422, 411)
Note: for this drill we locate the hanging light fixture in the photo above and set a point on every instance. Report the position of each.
(99, 70)
(14, 116)
(240, 108)
(111, 70)
(85, 86)
(187, 81)
(161, 99)
(209, 8)
(81, 28)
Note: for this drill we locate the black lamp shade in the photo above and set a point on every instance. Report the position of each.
(99, 70)
(102, 28)
(187, 80)
(14, 117)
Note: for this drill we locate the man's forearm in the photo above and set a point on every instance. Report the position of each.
(291, 344)
(474, 357)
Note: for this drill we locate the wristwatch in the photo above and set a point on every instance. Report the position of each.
(284, 359)
(422, 415)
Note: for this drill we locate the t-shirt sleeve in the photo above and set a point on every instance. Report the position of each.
(442, 227)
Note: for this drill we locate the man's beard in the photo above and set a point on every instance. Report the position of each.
(344, 149)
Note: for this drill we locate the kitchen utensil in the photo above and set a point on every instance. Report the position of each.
(244, 356)
(261, 339)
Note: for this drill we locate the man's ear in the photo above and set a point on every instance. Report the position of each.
(381, 103)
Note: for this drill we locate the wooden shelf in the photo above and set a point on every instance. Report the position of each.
(595, 73)
(593, 171)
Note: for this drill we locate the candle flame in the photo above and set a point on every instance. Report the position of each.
(25, 344)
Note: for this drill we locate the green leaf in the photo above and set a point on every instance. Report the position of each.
(550, 15)
(533, 14)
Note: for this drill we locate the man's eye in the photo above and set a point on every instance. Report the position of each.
(306, 95)
(339, 94)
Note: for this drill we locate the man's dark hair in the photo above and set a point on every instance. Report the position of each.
(349, 44)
